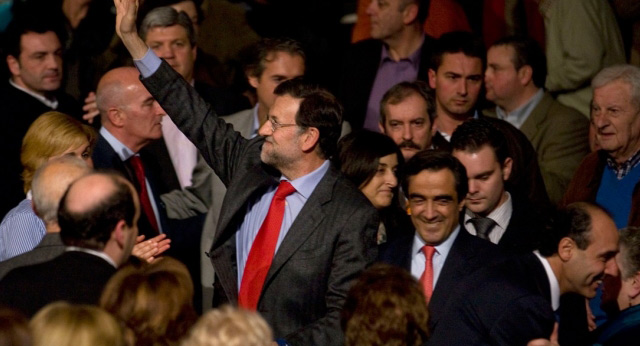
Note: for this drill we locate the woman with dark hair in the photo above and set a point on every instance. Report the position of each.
(372, 161)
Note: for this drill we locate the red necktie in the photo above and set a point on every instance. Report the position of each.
(427, 276)
(138, 168)
(263, 249)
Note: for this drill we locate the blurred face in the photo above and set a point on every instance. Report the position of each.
(501, 78)
(188, 7)
(457, 82)
(408, 124)
(281, 148)
(486, 179)
(586, 268)
(387, 19)
(434, 205)
(39, 66)
(173, 45)
(82, 152)
(141, 117)
(279, 67)
(616, 119)
(379, 190)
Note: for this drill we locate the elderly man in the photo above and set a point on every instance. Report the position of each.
(293, 232)
(610, 176)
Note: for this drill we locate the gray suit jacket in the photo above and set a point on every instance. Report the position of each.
(330, 242)
(50, 247)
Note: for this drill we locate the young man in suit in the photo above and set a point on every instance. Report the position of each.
(98, 223)
(520, 300)
(493, 213)
(436, 184)
(285, 204)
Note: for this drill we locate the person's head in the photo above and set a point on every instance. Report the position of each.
(516, 68)
(231, 327)
(14, 328)
(615, 110)
(370, 160)
(100, 211)
(456, 73)
(628, 260)
(304, 126)
(34, 54)
(171, 36)
(152, 300)
(191, 7)
(406, 111)
(389, 18)
(50, 182)
(64, 324)
(482, 149)
(385, 306)
(127, 109)
(582, 240)
(436, 184)
(51, 135)
(273, 61)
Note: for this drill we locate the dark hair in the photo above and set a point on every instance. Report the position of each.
(319, 109)
(630, 252)
(385, 306)
(401, 91)
(527, 52)
(473, 134)
(436, 160)
(264, 50)
(573, 221)
(458, 42)
(24, 24)
(164, 17)
(148, 5)
(359, 154)
(92, 228)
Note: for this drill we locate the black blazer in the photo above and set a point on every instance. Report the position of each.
(330, 242)
(74, 276)
(524, 229)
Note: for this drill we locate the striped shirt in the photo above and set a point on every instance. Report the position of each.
(20, 231)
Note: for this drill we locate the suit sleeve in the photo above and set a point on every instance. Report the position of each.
(523, 320)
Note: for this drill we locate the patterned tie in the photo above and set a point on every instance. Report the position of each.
(427, 276)
(263, 249)
(138, 168)
(483, 226)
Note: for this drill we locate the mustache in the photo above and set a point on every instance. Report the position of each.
(409, 145)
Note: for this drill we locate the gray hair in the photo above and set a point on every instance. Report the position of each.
(630, 252)
(625, 73)
(49, 184)
(165, 16)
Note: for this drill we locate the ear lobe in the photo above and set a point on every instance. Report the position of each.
(566, 247)
(253, 80)
(14, 65)
(506, 168)
(311, 137)
(410, 13)
(525, 73)
(120, 233)
(432, 78)
(116, 117)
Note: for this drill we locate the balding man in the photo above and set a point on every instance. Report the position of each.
(49, 184)
(97, 217)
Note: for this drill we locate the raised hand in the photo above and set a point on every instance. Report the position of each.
(126, 14)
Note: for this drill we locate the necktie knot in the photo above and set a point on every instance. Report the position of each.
(428, 251)
(483, 226)
(284, 189)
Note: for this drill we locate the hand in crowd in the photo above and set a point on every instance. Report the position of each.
(90, 108)
(552, 341)
(127, 11)
(150, 249)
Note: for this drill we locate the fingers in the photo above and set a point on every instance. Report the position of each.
(148, 250)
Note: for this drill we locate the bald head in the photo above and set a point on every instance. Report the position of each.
(112, 88)
(50, 182)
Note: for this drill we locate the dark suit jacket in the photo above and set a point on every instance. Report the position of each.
(50, 247)
(359, 71)
(525, 226)
(75, 276)
(468, 253)
(329, 243)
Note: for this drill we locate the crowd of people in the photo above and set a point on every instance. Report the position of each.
(468, 175)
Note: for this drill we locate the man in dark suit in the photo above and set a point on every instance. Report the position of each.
(434, 182)
(49, 183)
(97, 217)
(503, 217)
(398, 51)
(325, 235)
(34, 60)
(514, 302)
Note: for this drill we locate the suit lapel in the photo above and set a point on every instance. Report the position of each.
(530, 126)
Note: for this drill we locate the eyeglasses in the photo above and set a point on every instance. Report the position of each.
(276, 125)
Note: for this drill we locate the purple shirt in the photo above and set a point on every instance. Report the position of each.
(389, 74)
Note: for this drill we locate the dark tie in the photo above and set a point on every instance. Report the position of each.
(138, 168)
(483, 226)
(427, 276)
(263, 249)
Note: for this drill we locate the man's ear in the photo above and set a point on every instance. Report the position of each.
(635, 286)
(566, 246)
(410, 13)
(14, 65)
(506, 168)
(116, 117)
(120, 233)
(432, 78)
(254, 81)
(525, 75)
(309, 139)
(381, 127)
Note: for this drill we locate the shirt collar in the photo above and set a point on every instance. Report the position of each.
(624, 168)
(413, 58)
(51, 103)
(100, 254)
(553, 281)
(518, 116)
(123, 152)
(501, 215)
(305, 184)
(442, 249)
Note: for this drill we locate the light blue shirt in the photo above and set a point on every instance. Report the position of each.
(149, 63)
(257, 212)
(518, 116)
(125, 153)
(439, 257)
(21, 230)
